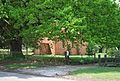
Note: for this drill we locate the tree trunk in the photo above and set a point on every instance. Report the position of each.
(118, 47)
(16, 48)
(101, 50)
(26, 50)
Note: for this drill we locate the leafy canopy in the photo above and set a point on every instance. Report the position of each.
(94, 21)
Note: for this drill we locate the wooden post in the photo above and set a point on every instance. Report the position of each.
(117, 61)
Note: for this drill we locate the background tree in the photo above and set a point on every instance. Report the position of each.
(72, 20)
(103, 23)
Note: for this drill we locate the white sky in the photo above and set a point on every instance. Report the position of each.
(117, 1)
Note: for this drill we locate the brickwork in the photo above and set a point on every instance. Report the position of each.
(51, 47)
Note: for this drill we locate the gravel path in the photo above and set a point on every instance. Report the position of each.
(7, 76)
(50, 71)
(60, 73)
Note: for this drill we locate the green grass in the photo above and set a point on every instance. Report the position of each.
(35, 61)
(60, 59)
(22, 65)
(103, 73)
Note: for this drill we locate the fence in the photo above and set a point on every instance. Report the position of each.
(108, 61)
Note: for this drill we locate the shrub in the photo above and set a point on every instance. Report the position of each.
(82, 60)
(117, 54)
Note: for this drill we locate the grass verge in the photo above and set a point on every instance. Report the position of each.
(102, 73)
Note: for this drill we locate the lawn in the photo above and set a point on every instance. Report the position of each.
(60, 59)
(36, 61)
(102, 73)
(23, 65)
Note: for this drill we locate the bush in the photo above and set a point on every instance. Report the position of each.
(85, 60)
(112, 51)
(117, 54)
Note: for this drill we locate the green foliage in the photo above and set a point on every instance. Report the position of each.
(85, 20)
(116, 53)
(103, 21)
(92, 49)
(112, 51)
(85, 60)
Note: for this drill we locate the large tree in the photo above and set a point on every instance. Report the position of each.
(95, 21)
(10, 13)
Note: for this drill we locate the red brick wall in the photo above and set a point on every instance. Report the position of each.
(58, 48)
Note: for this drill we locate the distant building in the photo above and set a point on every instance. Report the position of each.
(51, 47)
